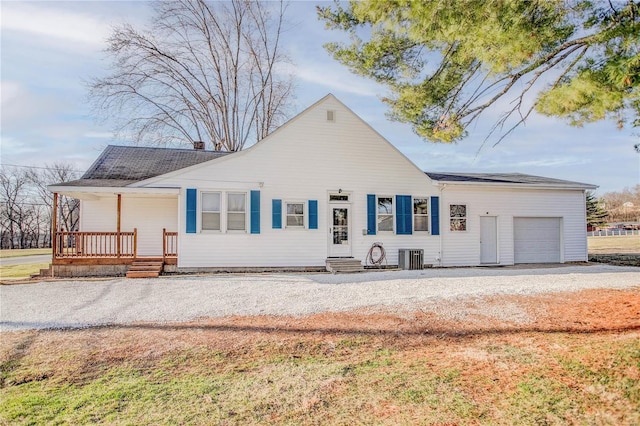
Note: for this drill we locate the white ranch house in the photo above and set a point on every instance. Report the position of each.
(324, 186)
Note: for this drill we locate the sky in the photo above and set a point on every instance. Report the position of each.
(50, 49)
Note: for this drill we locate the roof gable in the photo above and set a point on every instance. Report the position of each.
(275, 140)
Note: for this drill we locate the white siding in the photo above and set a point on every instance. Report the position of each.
(304, 160)
(148, 214)
(99, 215)
(308, 158)
(463, 248)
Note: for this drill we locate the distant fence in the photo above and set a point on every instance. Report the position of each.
(613, 233)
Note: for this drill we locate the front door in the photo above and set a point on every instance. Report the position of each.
(339, 230)
(488, 239)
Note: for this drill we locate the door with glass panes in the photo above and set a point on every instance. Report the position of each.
(339, 230)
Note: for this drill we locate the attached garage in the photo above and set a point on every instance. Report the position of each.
(510, 218)
(537, 239)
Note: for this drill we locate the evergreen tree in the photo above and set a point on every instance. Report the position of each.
(446, 62)
(596, 214)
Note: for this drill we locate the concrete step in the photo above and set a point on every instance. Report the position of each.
(44, 273)
(344, 265)
(342, 260)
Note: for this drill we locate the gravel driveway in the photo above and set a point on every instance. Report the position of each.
(62, 304)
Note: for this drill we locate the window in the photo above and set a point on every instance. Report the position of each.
(236, 211)
(385, 213)
(421, 214)
(339, 197)
(331, 115)
(295, 215)
(458, 217)
(211, 211)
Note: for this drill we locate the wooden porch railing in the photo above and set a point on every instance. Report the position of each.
(169, 244)
(75, 244)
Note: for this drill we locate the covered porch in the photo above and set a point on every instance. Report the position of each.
(132, 231)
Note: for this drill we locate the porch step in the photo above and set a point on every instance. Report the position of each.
(145, 269)
(344, 265)
(44, 273)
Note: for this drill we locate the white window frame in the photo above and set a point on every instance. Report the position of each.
(340, 194)
(286, 215)
(227, 211)
(465, 218)
(224, 211)
(392, 214)
(414, 214)
(203, 211)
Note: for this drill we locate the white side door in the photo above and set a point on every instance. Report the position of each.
(488, 240)
(339, 230)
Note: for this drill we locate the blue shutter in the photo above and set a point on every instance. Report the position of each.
(371, 214)
(313, 214)
(276, 214)
(255, 212)
(408, 210)
(192, 203)
(435, 216)
(404, 215)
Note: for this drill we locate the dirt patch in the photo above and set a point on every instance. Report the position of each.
(578, 312)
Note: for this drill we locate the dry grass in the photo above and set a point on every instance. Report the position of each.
(23, 252)
(614, 245)
(21, 271)
(576, 361)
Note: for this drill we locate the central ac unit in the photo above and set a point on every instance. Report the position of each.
(411, 259)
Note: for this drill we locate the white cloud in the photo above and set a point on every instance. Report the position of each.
(552, 162)
(22, 107)
(98, 135)
(15, 147)
(334, 78)
(11, 90)
(37, 19)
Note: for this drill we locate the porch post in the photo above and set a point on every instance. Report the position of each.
(54, 227)
(164, 244)
(118, 226)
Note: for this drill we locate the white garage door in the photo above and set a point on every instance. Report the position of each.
(536, 239)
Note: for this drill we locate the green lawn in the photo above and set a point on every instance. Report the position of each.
(23, 252)
(21, 271)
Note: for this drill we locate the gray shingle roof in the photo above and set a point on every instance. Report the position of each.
(123, 165)
(504, 178)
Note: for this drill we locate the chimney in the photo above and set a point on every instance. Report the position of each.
(198, 146)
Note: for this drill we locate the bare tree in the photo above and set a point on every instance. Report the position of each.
(68, 207)
(14, 206)
(26, 205)
(623, 205)
(203, 71)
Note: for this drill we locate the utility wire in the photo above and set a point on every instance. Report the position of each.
(38, 167)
